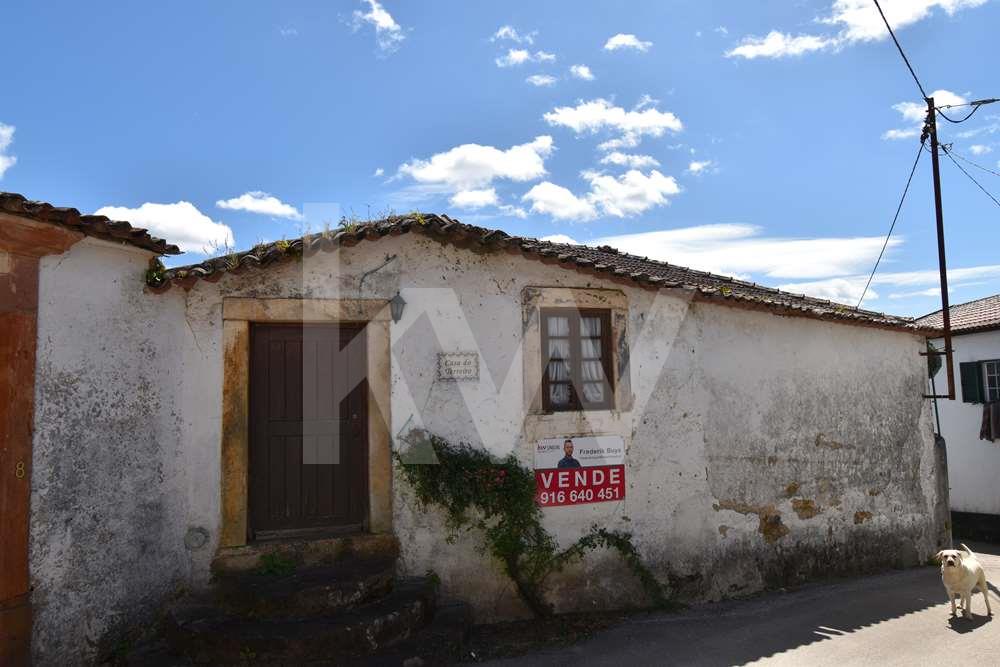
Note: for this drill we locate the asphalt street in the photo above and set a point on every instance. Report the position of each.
(898, 618)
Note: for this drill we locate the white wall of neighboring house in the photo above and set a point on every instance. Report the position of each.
(109, 499)
(973, 464)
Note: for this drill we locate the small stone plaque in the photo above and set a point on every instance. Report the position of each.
(458, 366)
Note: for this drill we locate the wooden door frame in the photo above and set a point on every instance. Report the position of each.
(237, 314)
(22, 245)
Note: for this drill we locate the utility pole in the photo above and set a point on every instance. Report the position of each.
(931, 128)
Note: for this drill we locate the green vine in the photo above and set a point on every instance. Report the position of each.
(497, 496)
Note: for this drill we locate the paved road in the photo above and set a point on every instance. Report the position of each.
(900, 618)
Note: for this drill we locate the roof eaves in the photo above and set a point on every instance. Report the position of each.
(98, 226)
(609, 264)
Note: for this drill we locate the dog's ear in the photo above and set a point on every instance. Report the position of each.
(938, 556)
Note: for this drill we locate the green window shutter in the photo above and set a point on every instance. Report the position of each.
(972, 381)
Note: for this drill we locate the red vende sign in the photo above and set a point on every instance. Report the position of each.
(576, 486)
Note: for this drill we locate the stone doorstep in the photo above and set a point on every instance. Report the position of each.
(447, 631)
(308, 591)
(307, 552)
(210, 635)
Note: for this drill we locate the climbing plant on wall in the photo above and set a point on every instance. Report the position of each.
(478, 491)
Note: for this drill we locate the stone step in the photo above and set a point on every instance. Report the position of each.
(305, 552)
(308, 591)
(436, 644)
(211, 635)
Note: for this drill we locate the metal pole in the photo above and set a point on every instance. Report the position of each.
(945, 314)
(937, 414)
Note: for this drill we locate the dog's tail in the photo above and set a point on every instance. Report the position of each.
(968, 550)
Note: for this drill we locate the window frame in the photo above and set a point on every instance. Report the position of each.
(985, 379)
(576, 402)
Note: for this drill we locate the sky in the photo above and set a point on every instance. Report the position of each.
(766, 140)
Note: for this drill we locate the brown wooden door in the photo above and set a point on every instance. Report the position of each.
(308, 429)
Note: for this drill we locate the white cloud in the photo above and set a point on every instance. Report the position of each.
(930, 291)
(847, 289)
(696, 166)
(181, 223)
(6, 139)
(260, 202)
(859, 20)
(600, 114)
(916, 112)
(980, 149)
(629, 194)
(287, 31)
(722, 30)
(741, 249)
(515, 57)
(838, 266)
(515, 211)
(901, 134)
(581, 72)
(559, 238)
(473, 166)
(842, 290)
(626, 41)
(389, 35)
(630, 160)
(558, 202)
(378, 172)
(854, 20)
(510, 33)
(777, 44)
(541, 80)
(474, 198)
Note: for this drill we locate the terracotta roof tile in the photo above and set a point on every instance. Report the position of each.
(979, 315)
(97, 226)
(604, 261)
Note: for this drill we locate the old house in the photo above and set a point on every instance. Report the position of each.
(973, 451)
(203, 417)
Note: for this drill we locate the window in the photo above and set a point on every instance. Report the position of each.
(576, 359)
(991, 380)
(980, 381)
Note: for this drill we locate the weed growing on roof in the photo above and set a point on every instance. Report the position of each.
(497, 497)
(156, 272)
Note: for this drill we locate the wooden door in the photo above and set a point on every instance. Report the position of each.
(308, 429)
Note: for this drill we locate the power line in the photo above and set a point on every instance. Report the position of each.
(899, 208)
(970, 177)
(900, 48)
(974, 164)
(969, 115)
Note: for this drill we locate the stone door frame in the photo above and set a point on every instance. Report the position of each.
(237, 315)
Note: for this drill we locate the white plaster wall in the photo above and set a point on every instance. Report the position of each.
(108, 501)
(740, 419)
(973, 464)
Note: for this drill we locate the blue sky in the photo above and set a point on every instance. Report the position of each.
(762, 139)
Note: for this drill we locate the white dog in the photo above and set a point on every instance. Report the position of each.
(961, 574)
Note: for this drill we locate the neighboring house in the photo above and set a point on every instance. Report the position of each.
(184, 417)
(973, 462)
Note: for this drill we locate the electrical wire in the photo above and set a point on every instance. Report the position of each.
(975, 108)
(974, 164)
(899, 208)
(905, 59)
(970, 177)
